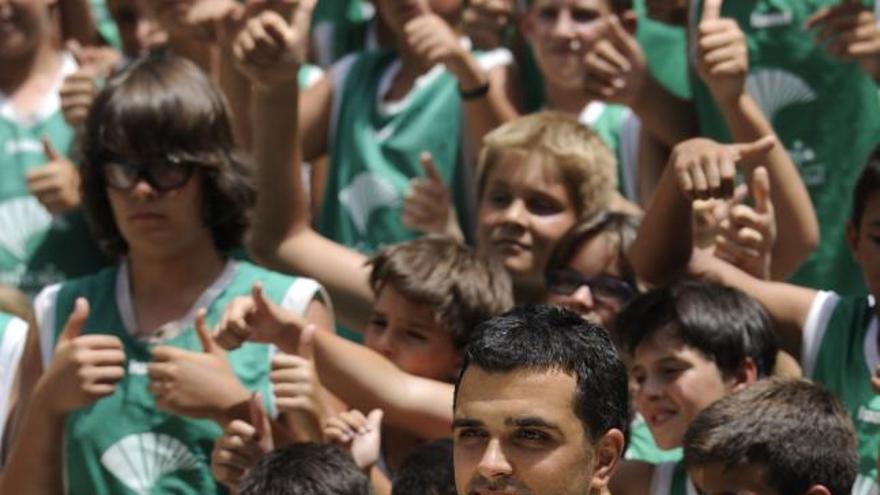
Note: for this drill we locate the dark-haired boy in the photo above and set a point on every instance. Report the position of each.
(539, 383)
(779, 436)
(306, 469)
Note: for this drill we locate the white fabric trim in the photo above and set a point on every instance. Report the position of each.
(872, 353)
(630, 134)
(11, 349)
(661, 479)
(591, 113)
(51, 101)
(44, 313)
(815, 326)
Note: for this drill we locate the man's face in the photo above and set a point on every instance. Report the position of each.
(717, 479)
(517, 433)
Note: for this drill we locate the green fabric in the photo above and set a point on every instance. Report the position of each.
(643, 448)
(349, 21)
(122, 444)
(679, 481)
(608, 124)
(665, 48)
(813, 101)
(374, 155)
(106, 25)
(842, 368)
(36, 249)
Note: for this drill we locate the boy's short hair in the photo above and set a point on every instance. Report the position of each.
(866, 185)
(723, 323)
(306, 469)
(794, 429)
(462, 287)
(577, 155)
(623, 226)
(427, 471)
(163, 107)
(550, 338)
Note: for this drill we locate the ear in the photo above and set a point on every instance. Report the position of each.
(746, 375)
(817, 490)
(852, 239)
(629, 21)
(608, 452)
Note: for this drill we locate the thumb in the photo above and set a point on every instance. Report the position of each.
(76, 321)
(204, 333)
(374, 419)
(307, 342)
(760, 189)
(78, 52)
(260, 302)
(51, 153)
(428, 166)
(712, 10)
(755, 149)
(258, 418)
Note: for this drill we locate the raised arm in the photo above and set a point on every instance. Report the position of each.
(270, 53)
(723, 65)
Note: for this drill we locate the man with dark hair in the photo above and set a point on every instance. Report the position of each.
(779, 436)
(541, 406)
(306, 469)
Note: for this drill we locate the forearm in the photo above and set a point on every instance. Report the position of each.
(237, 90)
(798, 229)
(671, 119)
(368, 381)
(485, 113)
(35, 463)
(663, 246)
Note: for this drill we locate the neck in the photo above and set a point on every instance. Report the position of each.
(189, 274)
(528, 292)
(571, 101)
(43, 61)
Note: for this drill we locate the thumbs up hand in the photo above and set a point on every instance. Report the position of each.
(84, 368)
(79, 89)
(297, 389)
(427, 207)
(256, 318)
(746, 237)
(722, 54)
(199, 384)
(358, 434)
(615, 67)
(706, 169)
(55, 184)
(243, 444)
(851, 32)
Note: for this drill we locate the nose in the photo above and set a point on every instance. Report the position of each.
(583, 296)
(383, 344)
(515, 213)
(143, 191)
(563, 25)
(494, 463)
(651, 388)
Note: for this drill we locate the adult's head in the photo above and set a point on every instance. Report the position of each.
(306, 469)
(26, 25)
(589, 273)
(537, 177)
(541, 406)
(160, 172)
(691, 344)
(779, 436)
(430, 295)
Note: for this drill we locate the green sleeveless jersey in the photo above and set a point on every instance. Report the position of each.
(842, 355)
(340, 27)
(13, 336)
(671, 479)
(37, 249)
(375, 148)
(811, 99)
(665, 49)
(643, 448)
(123, 444)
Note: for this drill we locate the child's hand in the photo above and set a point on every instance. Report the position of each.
(484, 21)
(79, 89)
(297, 389)
(55, 184)
(615, 68)
(241, 446)
(427, 207)
(209, 18)
(435, 42)
(197, 384)
(84, 369)
(271, 46)
(722, 57)
(707, 169)
(852, 33)
(747, 235)
(255, 318)
(358, 434)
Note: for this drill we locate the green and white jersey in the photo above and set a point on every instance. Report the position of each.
(37, 249)
(671, 479)
(308, 75)
(812, 100)
(643, 448)
(665, 49)
(375, 147)
(13, 335)
(123, 444)
(105, 24)
(619, 128)
(840, 351)
(340, 27)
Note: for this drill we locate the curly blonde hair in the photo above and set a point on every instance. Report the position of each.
(582, 162)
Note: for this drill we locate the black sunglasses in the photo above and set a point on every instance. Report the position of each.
(603, 287)
(162, 175)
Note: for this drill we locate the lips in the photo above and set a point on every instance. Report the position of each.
(146, 216)
(510, 246)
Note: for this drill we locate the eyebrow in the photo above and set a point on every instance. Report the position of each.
(532, 422)
(466, 423)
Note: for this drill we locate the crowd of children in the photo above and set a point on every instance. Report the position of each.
(439, 246)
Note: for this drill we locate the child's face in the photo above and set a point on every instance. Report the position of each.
(560, 32)
(673, 383)
(717, 479)
(524, 210)
(411, 337)
(865, 243)
(23, 24)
